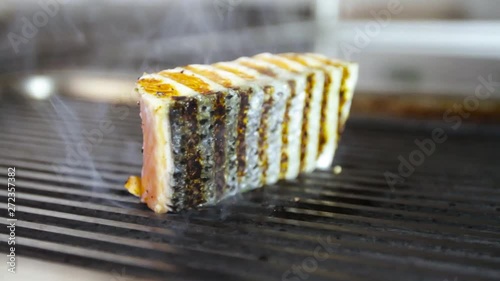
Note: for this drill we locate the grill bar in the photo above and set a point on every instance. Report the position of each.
(441, 223)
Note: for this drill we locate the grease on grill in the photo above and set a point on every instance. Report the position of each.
(133, 185)
(435, 217)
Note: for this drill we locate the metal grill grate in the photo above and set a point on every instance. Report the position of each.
(441, 223)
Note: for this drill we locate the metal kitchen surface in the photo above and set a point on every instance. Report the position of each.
(441, 221)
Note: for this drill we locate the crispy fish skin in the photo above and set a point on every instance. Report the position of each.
(252, 118)
(279, 93)
(226, 134)
(232, 106)
(292, 128)
(216, 105)
(293, 112)
(311, 124)
(211, 131)
(312, 106)
(196, 144)
(250, 124)
(329, 121)
(161, 180)
(349, 79)
(232, 101)
(276, 94)
(191, 155)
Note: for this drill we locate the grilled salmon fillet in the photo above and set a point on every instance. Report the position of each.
(211, 131)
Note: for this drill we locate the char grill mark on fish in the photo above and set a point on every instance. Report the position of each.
(178, 117)
(349, 79)
(263, 131)
(304, 138)
(225, 129)
(219, 133)
(330, 111)
(240, 142)
(323, 134)
(284, 135)
(194, 168)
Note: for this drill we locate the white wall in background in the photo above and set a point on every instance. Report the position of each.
(426, 46)
(425, 9)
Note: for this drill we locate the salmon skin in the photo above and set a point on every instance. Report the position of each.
(212, 131)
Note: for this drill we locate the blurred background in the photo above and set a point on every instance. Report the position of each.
(432, 47)
(403, 47)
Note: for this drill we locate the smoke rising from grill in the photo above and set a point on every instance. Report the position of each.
(62, 40)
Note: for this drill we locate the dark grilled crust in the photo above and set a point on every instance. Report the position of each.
(189, 187)
(177, 124)
(240, 140)
(194, 181)
(219, 131)
(263, 140)
(284, 135)
(323, 133)
(343, 98)
(307, 107)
